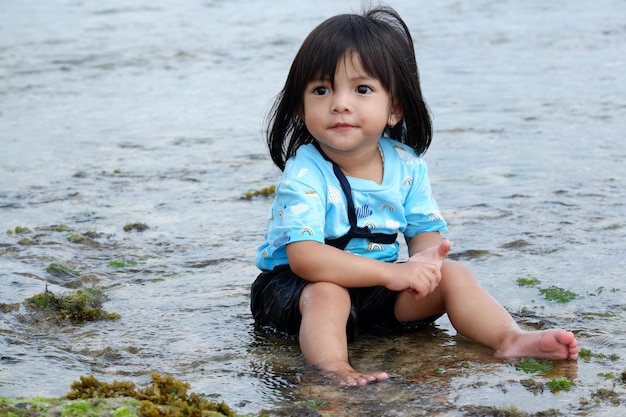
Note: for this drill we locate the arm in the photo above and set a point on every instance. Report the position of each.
(317, 262)
(423, 241)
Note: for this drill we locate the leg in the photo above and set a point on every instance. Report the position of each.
(325, 308)
(477, 315)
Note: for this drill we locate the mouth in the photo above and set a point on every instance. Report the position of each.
(342, 126)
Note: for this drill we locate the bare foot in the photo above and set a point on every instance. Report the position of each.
(543, 344)
(343, 374)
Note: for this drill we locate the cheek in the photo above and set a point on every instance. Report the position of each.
(306, 111)
(309, 112)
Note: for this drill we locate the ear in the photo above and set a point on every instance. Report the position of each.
(395, 115)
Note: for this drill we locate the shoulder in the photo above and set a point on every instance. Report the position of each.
(403, 154)
(307, 168)
(306, 157)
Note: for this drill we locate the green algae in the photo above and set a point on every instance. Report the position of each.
(165, 396)
(123, 412)
(27, 242)
(57, 269)
(77, 306)
(56, 228)
(137, 226)
(86, 238)
(552, 293)
(18, 230)
(532, 365)
(560, 384)
(265, 192)
(587, 354)
(62, 407)
(527, 281)
(79, 408)
(512, 411)
(558, 295)
(122, 263)
(18, 407)
(584, 353)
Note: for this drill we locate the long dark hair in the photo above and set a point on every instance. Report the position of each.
(383, 42)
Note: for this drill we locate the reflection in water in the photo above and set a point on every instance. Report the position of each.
(152, 114)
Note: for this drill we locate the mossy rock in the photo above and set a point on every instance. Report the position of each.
(165, 396)
(77, 306)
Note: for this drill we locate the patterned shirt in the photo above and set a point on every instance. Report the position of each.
(309, 204)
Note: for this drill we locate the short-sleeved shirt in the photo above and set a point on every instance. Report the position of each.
(310, 205)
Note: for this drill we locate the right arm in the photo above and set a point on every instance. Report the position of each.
(318, 262)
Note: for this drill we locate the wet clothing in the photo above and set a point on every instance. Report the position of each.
(315, 201)
(275, 306)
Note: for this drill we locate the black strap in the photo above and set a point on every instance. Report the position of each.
(355, 231)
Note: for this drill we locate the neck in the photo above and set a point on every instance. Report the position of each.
(365, 163)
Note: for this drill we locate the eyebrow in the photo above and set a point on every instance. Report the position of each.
(359, 77)
(364, 78)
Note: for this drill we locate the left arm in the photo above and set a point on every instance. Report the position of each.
(423, 241)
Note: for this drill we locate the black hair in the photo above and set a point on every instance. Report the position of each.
(384, 44)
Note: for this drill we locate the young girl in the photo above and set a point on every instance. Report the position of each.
(348, 131)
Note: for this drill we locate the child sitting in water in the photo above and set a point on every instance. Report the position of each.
(348, 131)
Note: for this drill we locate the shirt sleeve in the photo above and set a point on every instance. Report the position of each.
(422, 211)
(298, 214)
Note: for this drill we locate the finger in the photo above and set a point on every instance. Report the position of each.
(444, 248)
(414, 293)
(438, 276)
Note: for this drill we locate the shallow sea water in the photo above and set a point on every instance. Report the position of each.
(152, 112)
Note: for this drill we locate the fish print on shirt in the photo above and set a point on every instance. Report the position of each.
(363, 211)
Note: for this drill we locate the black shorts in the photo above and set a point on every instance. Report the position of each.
(275, 296)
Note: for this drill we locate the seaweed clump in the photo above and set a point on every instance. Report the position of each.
(18, 230)
(483, 411)
(560, 384)
(140, 227)
(77, 306)
(527, 281)
(165, 396)
(558, 294)
(532, 365)
(265, 192)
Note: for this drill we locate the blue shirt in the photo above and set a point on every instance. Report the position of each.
(309, 204)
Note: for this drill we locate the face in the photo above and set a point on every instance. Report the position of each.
(352, 113)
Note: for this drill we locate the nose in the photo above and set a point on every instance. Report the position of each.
(340, 102)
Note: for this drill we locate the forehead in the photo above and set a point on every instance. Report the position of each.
(349, 63)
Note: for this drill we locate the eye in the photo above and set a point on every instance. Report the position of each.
(320, 91)
(363, 89)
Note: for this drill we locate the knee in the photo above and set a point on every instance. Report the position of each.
(457, 275)
(321, 294)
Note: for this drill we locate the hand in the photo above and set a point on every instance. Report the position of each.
(422, 273)
(417, 278)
